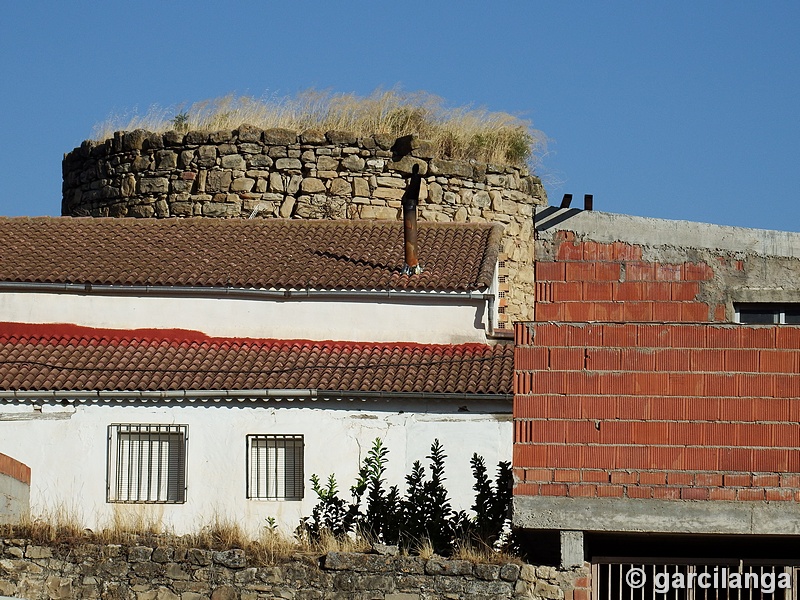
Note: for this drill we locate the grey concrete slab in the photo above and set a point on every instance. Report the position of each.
(657, 516)
(610, 227)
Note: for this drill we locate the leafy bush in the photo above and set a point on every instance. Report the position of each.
(382, 519)
(492, 503)
(423, 517)
(427, 511)
(332, 514)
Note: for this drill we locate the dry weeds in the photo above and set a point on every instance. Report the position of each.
(481, 553)
(461, 132)
(269, 547)
(425, 550)
(139, 525)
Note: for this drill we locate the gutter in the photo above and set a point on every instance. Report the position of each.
(118, 395)
(378, 395)
(251, 394)
(233, 292)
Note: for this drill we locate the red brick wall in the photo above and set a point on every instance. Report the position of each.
(657, 411)
(14, 468)
(629, 385)
(590, 281)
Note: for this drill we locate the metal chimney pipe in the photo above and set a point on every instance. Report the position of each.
(410, 199)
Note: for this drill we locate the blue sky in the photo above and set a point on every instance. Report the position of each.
(680, 110)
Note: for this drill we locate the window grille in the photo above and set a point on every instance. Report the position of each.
(275, 467)
(147, 463)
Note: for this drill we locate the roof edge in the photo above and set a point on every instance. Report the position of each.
(240, 292)
(486, 274)
(72, 396)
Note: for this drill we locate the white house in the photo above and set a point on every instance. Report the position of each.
(181, 370)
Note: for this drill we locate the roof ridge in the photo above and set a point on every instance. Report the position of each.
(50, 331)
(246, 222)
(490, 256)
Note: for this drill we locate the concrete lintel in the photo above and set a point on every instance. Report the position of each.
(610, 227)
(776, 295)
(657, 516)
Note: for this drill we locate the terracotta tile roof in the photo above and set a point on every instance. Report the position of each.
(243, 253)
(69, 357)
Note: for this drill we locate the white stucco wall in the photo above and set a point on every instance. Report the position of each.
(65, 446)
(424, 320)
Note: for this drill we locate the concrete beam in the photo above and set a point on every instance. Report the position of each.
(761, 294)
(657, 516)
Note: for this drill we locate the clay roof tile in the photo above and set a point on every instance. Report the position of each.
(249, 253)
(68, 357)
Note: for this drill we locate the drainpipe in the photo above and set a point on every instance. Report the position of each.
(410, 199)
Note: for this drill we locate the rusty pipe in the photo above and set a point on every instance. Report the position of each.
(410, 199)
(410, 239)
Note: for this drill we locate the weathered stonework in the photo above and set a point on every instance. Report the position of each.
(114, 572)
(313, 175)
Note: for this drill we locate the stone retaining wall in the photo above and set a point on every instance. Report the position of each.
(114, 572)
(312, 175)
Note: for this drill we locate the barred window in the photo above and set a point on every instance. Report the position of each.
(147, 463)
(275, 467)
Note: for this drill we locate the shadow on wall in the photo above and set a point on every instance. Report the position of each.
(15, 490)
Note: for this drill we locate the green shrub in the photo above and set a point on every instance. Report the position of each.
(331, 514)
(382, 519)
(424, 516)
(492, 503)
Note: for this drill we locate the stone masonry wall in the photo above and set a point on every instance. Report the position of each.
(114, 572)
(311, 175)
